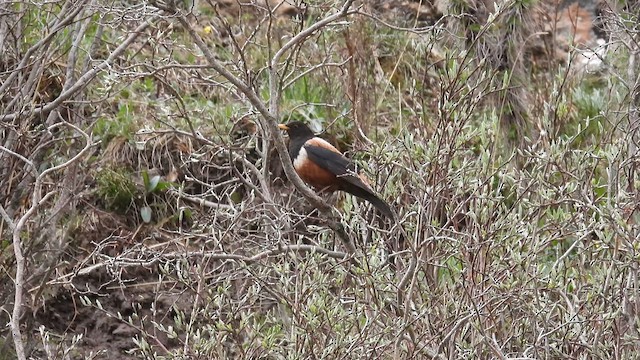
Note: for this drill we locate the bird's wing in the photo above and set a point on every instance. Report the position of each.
(337, 164)
(330, 159)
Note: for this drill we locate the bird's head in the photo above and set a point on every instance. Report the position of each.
(297, 129)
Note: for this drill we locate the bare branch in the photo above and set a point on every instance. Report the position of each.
(271, 115)
(85, 79)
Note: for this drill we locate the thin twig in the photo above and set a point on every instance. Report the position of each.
(85, 79)
(271, 114)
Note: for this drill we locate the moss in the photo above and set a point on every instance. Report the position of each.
(116, 189)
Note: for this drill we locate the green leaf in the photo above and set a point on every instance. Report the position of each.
(164, 185)
(152, 184)
(145, 179)
(145, 213)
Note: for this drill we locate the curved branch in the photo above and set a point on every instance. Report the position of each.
(271, 115)
(58, 26)
(36, 201)
(85, 79)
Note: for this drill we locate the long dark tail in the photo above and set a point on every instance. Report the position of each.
(381, 205)
(362, 191)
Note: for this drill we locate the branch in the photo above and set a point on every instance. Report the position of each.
(274, 79)
(58, 26)
(301, 36)
(36, 202)
(19, 280)
(24, 159)
(209, 255)
(271, 116)
(85, 79)
(202, 202)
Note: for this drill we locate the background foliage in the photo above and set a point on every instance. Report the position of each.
(146, 212)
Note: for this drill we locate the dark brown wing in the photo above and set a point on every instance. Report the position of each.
(336, 164)
(345, 172)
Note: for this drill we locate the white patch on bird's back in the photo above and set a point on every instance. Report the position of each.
(301, 159)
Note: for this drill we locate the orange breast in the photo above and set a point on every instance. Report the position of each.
(313, 174)
(316, 176)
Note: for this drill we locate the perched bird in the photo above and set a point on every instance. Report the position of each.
(322, 166)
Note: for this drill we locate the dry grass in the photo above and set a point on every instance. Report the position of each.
(512, 172)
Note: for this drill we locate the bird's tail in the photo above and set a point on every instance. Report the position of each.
(380, 204)
(355, 186)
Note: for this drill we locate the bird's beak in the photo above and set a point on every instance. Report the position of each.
(283, 127)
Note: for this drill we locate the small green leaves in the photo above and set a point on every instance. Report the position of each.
(154, 183)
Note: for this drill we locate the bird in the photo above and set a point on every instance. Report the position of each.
(321, 165)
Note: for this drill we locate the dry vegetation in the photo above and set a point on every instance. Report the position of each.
(147, 213)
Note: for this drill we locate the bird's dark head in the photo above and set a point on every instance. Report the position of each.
(297, 130)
